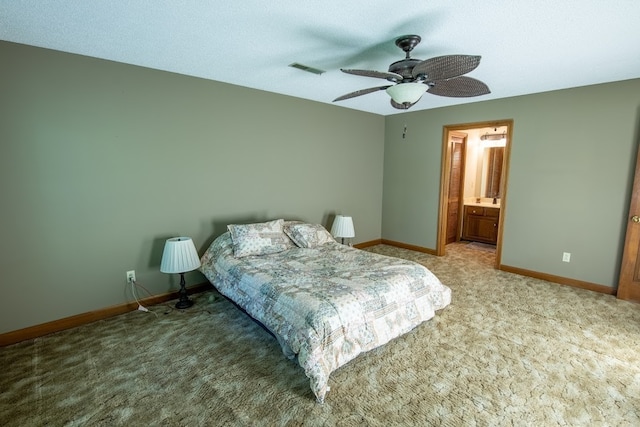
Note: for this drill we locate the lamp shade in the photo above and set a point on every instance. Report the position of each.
(343, 227)
(179, 256)
(404, 93)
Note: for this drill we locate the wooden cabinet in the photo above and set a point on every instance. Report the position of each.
(480, 224)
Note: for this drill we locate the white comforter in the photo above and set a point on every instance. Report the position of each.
(328, 304)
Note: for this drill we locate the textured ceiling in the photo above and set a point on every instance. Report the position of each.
(526, 46)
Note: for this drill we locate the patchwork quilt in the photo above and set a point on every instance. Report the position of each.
(326, 304)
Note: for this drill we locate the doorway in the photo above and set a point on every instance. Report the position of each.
(489, 188)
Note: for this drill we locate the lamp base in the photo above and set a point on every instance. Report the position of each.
(184, 304)
(184, 301)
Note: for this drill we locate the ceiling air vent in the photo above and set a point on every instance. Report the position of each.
(306, 68)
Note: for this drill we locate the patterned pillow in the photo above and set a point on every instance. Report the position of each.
(308, 235)
(258, 239)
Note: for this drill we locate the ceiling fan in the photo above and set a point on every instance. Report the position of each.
(411, 78)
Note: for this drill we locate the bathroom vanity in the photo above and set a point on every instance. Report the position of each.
(480, 222)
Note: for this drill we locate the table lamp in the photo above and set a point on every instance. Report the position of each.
(343, 227)
(180, 256)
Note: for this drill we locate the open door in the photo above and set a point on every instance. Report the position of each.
(629, 282)
(456, 184)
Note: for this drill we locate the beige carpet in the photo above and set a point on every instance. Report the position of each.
(510, 350)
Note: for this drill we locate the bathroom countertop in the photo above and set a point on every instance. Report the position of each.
(484, 205)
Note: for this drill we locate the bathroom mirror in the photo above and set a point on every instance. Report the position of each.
(492, 171)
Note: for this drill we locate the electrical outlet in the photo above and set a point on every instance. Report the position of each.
(566, 257)
(131, 276)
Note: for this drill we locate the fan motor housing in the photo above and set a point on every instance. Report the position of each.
(404, 67)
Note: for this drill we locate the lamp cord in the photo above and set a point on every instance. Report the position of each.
(134, 285)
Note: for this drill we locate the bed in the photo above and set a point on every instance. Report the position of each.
(325, 302)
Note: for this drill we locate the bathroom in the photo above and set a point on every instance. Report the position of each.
(477, 165)
(483, 165)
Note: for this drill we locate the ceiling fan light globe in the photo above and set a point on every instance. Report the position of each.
(407, 93)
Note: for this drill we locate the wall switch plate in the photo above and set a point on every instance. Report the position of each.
(131, 276)
(566, 257)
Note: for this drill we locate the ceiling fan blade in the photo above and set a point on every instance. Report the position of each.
(445, 67)
(377, 74)
(360, 92)
(460, 87)
(399, 106)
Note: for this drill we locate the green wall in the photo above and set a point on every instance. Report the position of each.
(572, 161)
(101, 162)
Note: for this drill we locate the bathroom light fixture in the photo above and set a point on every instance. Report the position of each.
(494, 139)
(407, 93)
(494, 136)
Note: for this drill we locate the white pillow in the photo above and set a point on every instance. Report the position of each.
(308, 235)
(258, 239)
